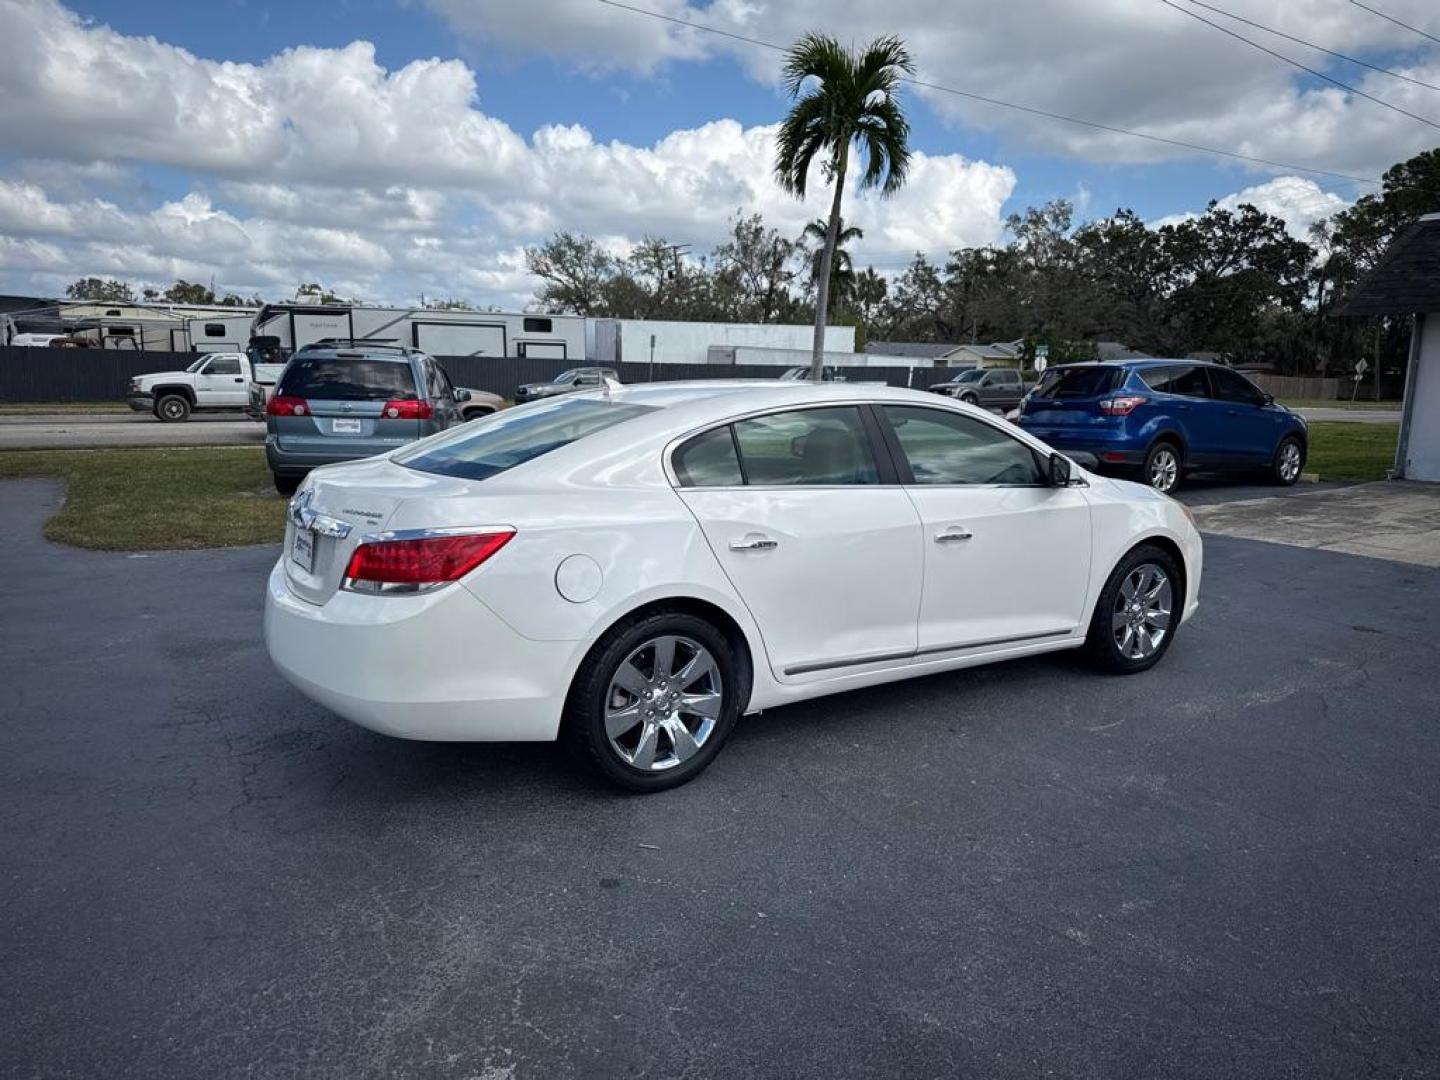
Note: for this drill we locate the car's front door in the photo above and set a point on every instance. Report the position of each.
(220, 383)
(821, 544)
(1007, 556)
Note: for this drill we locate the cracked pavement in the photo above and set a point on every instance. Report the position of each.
(1229, 866)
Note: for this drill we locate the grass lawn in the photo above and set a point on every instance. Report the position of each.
(24, 408)
(1321, 403)
(1341, 450)
(157, 499)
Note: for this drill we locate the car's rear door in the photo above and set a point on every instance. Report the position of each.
(1180, 396)
(1006, 555)
(803, 513)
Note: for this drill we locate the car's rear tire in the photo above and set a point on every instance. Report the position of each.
(172, 409)
(1137, 613)
(1164, 466)
(641, 726)
(970, 399)
(286, 485)
(475, 414)
(1289, 461)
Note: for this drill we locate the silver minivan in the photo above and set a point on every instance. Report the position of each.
(342, 403)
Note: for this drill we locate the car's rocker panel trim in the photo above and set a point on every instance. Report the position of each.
(931, 650)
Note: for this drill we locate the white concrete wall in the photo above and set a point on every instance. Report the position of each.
(1422, 406)
(750, 354)
(689, 342)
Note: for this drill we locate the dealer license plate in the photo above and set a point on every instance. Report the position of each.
(302, 549)
(344, 426)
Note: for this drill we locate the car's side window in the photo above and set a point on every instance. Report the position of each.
(1232, 387)
(820, 447)
(1185, 379)
(223, 365)
(709, 460)
(943, 447)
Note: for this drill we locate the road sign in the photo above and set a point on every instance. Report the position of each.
(1042, 357)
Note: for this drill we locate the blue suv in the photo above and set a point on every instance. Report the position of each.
(1166, 418)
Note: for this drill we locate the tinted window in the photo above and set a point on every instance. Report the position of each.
(214, 329)
(1186, 379)
(1004, 377)
(1080, 382)
(1232, 387)
(708, 460)
(224, 365)
(435, 381)
(347, 378)
(946, 448)
(538, 326)
(486, 447)
(809, 446)
(588, 378)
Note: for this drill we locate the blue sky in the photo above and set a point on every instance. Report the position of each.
(430, 175)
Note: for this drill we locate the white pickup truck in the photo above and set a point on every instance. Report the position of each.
(214, 381)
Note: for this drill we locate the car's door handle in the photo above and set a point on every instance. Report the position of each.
(754, 542)
(953, 534)
(239, 380)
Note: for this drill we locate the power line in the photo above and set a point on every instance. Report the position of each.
(1397, 22)
(1032, 110)
(1296, 63)
(1312, 45)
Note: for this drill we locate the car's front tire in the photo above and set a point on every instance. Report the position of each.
(654, 701)
(1289, 461)
(970, 399)
(1138, 612)
(1164, 467)
(172, 409)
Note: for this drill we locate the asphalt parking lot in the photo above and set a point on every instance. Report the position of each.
(1228, 867)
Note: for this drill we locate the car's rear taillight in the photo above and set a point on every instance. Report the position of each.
(407, 410)
(415, 564)
(1121, 406)
(281, 405)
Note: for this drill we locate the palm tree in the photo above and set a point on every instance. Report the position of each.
(842, 269)
(851, 99)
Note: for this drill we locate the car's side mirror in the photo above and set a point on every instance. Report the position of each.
(1059, 470)
(1267, 399)
(461, 394)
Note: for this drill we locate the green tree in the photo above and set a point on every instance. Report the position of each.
(842, 97)
(842, 267)
(754, 271)
(185, 292)
(315, 293)
(574, 271)
(106, 291)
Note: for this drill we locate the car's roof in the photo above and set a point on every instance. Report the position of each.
(332, 353)
(730, 396)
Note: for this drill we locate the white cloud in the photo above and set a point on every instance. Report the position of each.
(319, 164)
(1297, 201)
(1129, 63)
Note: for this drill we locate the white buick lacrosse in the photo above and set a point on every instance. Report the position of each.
(632, 569)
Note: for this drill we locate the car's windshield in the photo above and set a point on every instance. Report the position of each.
(1079, 382)
(197, 365)
(486, 447)
(567, 376)
(971, 376)
(347, 378)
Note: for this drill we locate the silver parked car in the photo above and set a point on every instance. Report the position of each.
(567, 382)
(342, 403)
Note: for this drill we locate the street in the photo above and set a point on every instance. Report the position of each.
(63, 431)
(1225, 867)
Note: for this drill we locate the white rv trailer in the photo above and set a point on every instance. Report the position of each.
(220, 333)
(280, 329)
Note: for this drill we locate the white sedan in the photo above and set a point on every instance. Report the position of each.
(633, 569)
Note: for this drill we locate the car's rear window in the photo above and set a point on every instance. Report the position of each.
(348, 378)
(1079, 382)
(486, 447)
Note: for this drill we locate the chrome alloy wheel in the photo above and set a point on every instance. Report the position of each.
(1290, 461)
(1141, 618)
(663, 702)
(1164, 469)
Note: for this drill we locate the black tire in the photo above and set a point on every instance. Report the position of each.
(970, 399)
(172, 409)
(1289, 461)
(474, 414)
(1103, 642)
(1164, 466)
(583, 728)
(287, 485)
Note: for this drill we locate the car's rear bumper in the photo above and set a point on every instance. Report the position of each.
(439, 666)
(284, 456)
(1111, 448)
